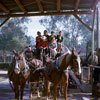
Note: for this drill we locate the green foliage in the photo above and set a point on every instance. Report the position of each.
(12, 34)
(75, 33)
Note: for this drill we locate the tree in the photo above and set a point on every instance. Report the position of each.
(13, 34)
(30, 40)
(75, 33)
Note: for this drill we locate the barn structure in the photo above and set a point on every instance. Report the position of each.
(25, 8)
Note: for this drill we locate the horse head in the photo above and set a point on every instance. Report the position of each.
(70, 58)
(76, 61)
(20, 62)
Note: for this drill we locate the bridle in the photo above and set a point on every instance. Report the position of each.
(20, 66)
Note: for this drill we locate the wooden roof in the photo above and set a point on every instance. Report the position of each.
(18, 8)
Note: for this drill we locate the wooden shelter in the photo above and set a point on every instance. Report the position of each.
(23, 8)
(20, 8)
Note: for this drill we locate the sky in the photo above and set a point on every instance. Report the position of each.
(34, 26)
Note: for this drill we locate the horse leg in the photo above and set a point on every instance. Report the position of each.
(30, 90)
(47, 88)
(22, 85)
(22, 90)
(60, 91)
(54, 92)
(66, 85)
(38, 92)
(16, 89)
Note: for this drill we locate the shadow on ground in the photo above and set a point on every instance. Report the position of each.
(6, 92)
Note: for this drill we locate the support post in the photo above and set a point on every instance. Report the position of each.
(98, 34)
(93, 21)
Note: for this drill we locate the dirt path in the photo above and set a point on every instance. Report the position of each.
(6, 92)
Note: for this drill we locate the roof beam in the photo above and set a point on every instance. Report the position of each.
(79, 19)
(94, 5)
(58, 5)
(77, 5)
(39, 5)
(20, 6)
(46, 14)
(4, 8)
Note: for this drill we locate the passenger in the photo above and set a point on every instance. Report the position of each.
(58, 52)
(59, 40)
(52, 36)
(29, 53)
(46, 42)
(46, 35)
(53, 46)
(39, 41)
(45, 46)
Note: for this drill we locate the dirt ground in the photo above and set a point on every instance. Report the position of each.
(6, 92)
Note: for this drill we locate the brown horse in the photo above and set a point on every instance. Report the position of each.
(35, 75)
(18, 73)
(56, 72)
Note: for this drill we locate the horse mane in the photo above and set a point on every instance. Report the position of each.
(67, 52)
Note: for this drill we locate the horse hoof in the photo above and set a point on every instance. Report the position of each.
(47, 99)
(38, 97)
(30, 96)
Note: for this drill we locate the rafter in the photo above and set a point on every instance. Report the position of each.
(77, 17)
(46, 14)
(58, 5)
(20, 6)
(4, 8)
(39, 5)
(76, 5)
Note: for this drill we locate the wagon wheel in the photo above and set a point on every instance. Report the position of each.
(11, 85)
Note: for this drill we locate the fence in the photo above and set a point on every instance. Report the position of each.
(87, 73)
(4, 59)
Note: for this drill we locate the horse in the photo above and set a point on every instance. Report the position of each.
(18, 73)
(55, 72)
(36, 75)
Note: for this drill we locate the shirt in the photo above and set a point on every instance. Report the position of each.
(59, 38)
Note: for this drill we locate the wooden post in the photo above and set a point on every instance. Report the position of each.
(93, 20)
(98, 34)
(87, 50)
